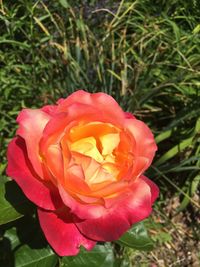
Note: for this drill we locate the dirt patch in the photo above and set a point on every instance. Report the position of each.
(177, 237)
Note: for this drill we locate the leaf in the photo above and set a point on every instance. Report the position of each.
(137, 237)
(13, 203)
(179, 147)
(29, 257)
(11, 235)
(196, 30)
(100, 256)
(190, 192)
(25, 246)
(64, 3)
(175, 28)
(174, 151)
(163, 237)
(122, 262)
(164, 135)
(15, 43)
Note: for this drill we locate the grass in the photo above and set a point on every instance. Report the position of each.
(146, 54)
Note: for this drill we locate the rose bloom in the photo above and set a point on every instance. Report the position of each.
(82, 163)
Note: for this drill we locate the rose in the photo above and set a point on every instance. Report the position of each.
(82, 162)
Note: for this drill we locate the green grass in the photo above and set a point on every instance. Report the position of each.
(146, 54)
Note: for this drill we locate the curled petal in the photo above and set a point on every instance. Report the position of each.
(75, 182)
(129, 115)
(43, 194)
(154, 188)
(53, 161)
(49, 109)
(105, 104)
(61, 232)
(120, 217)
(50, 145)
(145, 145)
(31, 126)
(139, 166)
(61, 123)
(82, 210)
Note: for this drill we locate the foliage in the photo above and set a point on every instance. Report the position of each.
(144, 53)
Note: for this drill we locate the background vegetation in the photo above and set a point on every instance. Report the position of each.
(146, 54)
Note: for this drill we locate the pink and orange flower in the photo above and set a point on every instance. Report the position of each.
(82, 163)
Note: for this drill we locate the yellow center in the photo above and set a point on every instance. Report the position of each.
(97, 141)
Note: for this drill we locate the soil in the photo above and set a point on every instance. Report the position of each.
(177, 242)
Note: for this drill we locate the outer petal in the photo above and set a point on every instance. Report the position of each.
(20, 169)
(145, 145)
(62, 233)
(154, 188)
(49, 109)
(31, 126)
(118, 219)
(129, 115)
(106, 105)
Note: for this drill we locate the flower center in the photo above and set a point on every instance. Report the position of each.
(96, 143)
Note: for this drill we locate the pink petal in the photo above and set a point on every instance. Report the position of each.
(31, 125)
(62, 234)
(145, 145)
(49, 109)
(56, 129)
(129, 115)
(83, 211)
(60, 123)
(154, 188)
(43, 194)
(118, 219)
(105, 104)
(139, 166)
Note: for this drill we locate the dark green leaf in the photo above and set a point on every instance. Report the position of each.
(122, 262)
(25, 246)
(13, 203)
(137, 237)
(11, 235)
(100, 256)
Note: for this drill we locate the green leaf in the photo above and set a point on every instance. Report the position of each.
(13, 203)
(164, 135)
(196, 30)
(137, 238)
(25, 246)
(122, 262)
(100, 256)
(174, 151)
(15, 43)
(163, 237)
(26, 256)
(11, 235)
(64, 3)
(190, 192)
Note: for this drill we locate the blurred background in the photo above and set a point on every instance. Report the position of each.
(146, 54)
